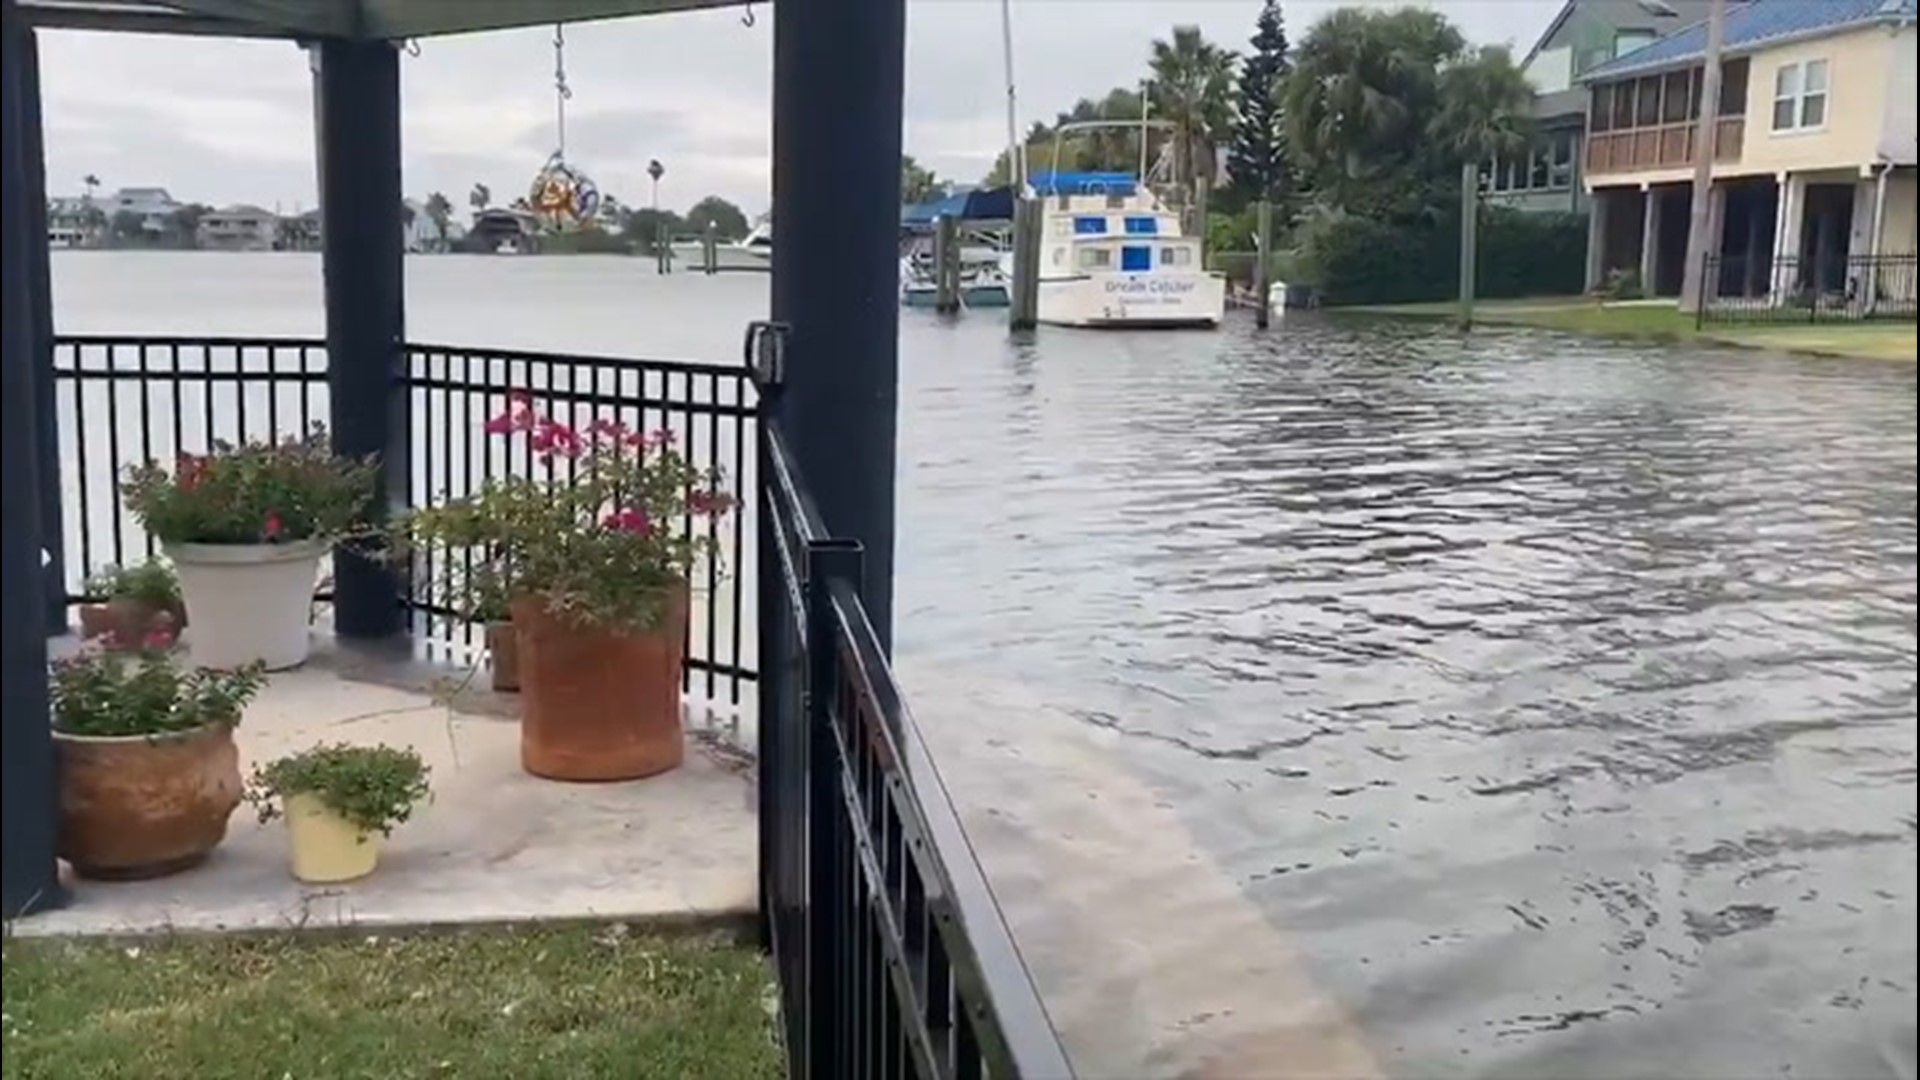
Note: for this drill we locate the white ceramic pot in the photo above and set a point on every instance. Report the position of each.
(248, 602)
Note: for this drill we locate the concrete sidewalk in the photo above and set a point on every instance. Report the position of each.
(495, 845)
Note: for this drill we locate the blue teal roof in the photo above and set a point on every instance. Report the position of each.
(1753, 25)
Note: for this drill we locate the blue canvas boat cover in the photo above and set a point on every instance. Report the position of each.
(981, 204)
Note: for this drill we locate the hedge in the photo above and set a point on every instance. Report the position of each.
(1361, 261)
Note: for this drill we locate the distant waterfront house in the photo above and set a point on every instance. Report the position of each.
(501, 231)
(239, 228)
(1814, 152)
(298, 232)
(75, 221)
(1583, 36)
(152, 207)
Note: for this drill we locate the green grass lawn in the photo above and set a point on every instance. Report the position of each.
(574, 1003)
(1665, 322)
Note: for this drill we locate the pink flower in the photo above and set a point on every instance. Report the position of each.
(270, 529)
(160, 637)
(189, 469)
(608, 428)
(630, 520)
(551, 437)
(709, 503)
(520, 397)
(499, 425)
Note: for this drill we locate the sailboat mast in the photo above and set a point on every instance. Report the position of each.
(1016, 165)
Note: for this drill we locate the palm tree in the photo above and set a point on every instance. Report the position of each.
(1484, 107)
(655, 171)
(480, 198)
(440, 212)
(1362, 96)
(1193, 87)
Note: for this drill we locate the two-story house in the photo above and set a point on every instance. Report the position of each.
(239, 228)
(152, 207)
(1582, 36)
(1814, 151)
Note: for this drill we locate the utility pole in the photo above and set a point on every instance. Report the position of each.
(1692, 281)
(1469, 239)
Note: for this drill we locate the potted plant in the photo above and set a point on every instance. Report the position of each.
(245, 527)
(340, 802)
(135, 601)
(598, 590)
(148, 771)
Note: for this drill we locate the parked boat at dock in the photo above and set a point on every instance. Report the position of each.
(1113, 255)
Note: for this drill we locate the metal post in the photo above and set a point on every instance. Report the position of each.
(1024, 314)
(946, 264)
(1263, 263)
(1469, 239)
(362, 247)
(710, 247)
(1650, 239)
(30, 881)
(827, 870)
(40, 282)
(836, 197)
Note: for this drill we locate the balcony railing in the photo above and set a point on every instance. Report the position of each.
(891, 954)
(1665, 146)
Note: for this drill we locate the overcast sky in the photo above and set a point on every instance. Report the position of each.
(232, 121)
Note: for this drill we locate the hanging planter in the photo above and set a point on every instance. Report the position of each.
(341, 802)
(600, 561)
(148, 770)
(246, 527)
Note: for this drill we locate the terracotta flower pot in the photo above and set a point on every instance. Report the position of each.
(144, 806)
(599, 704)
(503, 645)
(124, 623)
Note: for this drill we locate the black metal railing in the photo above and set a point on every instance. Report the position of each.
(122, 401)
(892, 956)
(708, 410)
(1851, 288)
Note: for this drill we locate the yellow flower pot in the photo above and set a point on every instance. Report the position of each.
(328, 848)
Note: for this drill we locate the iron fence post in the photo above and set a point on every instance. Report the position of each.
(827, 1057)
(764, 356)
(40, 285)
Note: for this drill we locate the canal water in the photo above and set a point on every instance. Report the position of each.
(1359, 699)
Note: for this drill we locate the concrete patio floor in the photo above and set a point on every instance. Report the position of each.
(495, 844)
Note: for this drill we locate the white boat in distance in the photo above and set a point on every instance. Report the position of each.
(1113, 255)
(754, 252)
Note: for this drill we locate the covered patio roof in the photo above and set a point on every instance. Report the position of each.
(390, 20)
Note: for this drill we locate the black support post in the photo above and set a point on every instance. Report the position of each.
(30, 882)
(40, 301)
(357, 91)
(837, 74)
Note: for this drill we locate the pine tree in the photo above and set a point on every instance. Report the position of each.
(1257, 160)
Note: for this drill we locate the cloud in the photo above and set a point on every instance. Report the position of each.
(232, 121)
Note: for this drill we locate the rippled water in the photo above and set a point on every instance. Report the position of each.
(1362, 699)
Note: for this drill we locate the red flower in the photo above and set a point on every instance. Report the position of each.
(709, 503)
(608, 428)
(553, 437)
(631, 520)
(499, 425)
(160, 637)
(271, 527)
(520, 397)
(188, 470)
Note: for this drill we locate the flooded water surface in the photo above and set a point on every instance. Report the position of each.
(1358, 699)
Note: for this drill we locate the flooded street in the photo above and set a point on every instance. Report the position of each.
(1360, 699)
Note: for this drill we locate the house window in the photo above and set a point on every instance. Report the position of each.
(1562, 172)
(1626, 41)
(1800, 96)
(1677, 107)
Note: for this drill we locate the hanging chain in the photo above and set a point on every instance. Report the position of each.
(746, 17)
(561, 91)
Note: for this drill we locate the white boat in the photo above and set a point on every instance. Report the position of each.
(1114, 255)
(754, 252)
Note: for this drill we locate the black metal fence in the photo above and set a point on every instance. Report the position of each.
(893, 958)
(122, 401)
(1853, 288)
